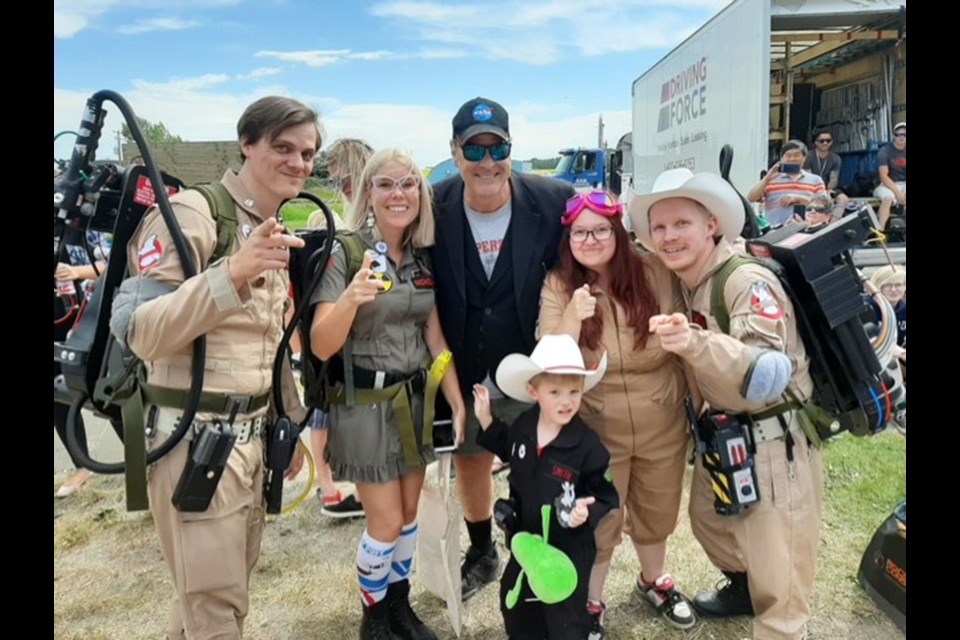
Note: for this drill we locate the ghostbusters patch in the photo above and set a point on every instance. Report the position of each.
(762, 301)
(150, 253)
(564, 504)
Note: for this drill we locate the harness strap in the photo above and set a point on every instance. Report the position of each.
(135, 452)
(210, 402)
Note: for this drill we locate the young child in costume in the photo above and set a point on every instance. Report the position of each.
(556, 461)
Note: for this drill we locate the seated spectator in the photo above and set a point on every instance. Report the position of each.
(787, 185)
(892, 167)
(819, 211)
(826, 164)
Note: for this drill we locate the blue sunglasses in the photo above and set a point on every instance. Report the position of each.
(476, 152)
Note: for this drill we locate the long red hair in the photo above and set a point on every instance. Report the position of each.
(628, 287)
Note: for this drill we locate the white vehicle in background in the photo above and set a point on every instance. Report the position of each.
(761, 72)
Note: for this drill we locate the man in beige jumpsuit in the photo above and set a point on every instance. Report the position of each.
(237, 302)
(769, 551)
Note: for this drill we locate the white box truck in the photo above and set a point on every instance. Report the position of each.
(761, 72)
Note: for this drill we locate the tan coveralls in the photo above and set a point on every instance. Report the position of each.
(774, 542)
(210, 554)
(637, 410)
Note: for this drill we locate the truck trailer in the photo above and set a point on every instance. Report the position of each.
(762, 72)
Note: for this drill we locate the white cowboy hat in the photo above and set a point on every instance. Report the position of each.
(553, 354)
(710, 190)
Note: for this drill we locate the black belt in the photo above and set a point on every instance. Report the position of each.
(367, 379)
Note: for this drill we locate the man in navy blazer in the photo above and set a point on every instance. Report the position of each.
(497, 234)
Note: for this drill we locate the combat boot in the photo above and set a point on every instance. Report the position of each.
(730, 600)
(404, 623)
(375, 625)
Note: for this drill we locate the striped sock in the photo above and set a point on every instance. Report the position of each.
(403, 553)
(373, 567)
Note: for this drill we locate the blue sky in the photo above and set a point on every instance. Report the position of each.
(391, 72)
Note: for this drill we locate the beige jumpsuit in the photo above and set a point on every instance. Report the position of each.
(774, 542)
(637, 410)
(210, 554)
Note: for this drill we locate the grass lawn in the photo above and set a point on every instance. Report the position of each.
(110, 581)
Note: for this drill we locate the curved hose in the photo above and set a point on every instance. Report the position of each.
(751, 226)
(321, 265)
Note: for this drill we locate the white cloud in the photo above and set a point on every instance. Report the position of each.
(70, 17)
(157, 24)
(550, 30)
(260, 72)
(182, 84)
(316, 58)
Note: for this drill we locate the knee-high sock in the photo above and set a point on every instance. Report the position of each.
(403, 553)
(373, 567)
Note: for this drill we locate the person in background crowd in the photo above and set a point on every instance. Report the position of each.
(787, 185)
(892, 168)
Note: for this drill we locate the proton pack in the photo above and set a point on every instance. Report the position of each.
(852, 390)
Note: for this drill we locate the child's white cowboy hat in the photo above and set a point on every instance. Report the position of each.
(553, 354)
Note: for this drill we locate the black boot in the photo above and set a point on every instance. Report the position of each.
(375, 625)
(403, 621)
(732, 599)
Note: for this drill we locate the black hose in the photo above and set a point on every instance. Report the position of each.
(751, 226)
(317, 271)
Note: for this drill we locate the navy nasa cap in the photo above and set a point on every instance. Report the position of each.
(481, 115)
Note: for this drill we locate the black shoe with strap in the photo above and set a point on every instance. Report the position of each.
(729, 600)
(404, 623)
(479, 568)
(375, 625)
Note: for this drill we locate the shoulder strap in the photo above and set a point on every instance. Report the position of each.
(718, 303)
(353, 248)
(224, 213)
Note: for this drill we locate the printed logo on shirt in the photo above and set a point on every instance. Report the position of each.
(762, 301)
(150, 253)
(485, 247)
(522, 452)
(561, 472)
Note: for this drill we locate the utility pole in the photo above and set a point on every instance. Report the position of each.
(600, 132)
(119, 147)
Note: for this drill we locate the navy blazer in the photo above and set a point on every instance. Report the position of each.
(538, 203)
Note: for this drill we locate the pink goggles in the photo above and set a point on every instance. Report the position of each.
(599, 202)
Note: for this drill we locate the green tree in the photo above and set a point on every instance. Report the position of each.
(154, 133)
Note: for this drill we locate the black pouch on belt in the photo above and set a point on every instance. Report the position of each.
(281, 446)
(209, 452)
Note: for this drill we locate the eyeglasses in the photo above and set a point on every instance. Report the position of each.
(824, 141)
(385, 184)
(818, 210)
(900, 135)
(600, 234)
(476, 152)
(893, 285)
(599, 202)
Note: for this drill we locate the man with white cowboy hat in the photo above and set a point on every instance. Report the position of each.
(555, 461)
(747, 363)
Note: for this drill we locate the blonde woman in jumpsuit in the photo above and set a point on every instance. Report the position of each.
(603, 292)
